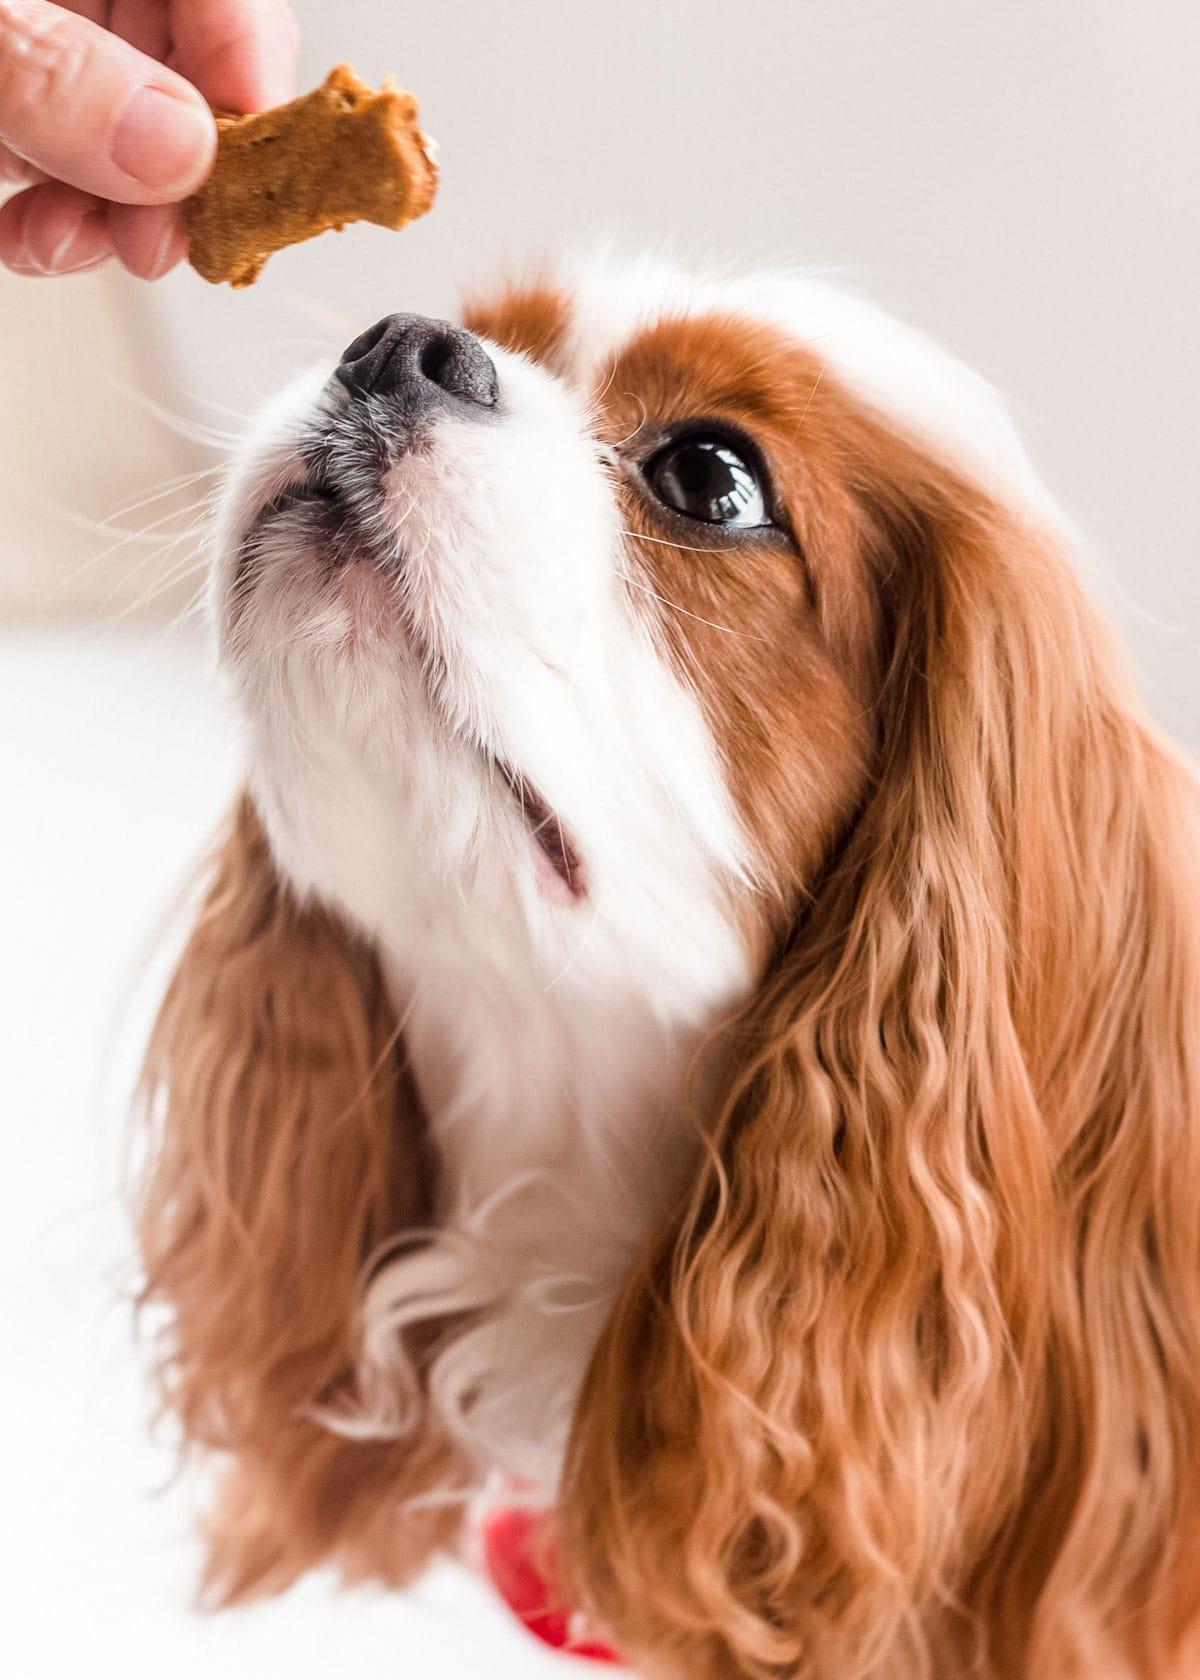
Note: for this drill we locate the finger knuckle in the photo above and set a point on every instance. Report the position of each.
(39, 60)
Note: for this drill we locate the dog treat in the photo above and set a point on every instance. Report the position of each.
(342, 153)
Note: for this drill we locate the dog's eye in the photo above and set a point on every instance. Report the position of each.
(706, 476)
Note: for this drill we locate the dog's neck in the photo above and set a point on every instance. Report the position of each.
(553, 1083)
(560, 1137)
(522, 1082)
(566, 1061)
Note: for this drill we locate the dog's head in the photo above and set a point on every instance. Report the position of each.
(589, 606)
(710, 649)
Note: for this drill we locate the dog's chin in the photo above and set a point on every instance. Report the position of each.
(363, 610)
(340, 584)
(347, 584)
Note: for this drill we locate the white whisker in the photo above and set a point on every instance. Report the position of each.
(665, 542)
(726, 629)
(171, 486)
(195, 431)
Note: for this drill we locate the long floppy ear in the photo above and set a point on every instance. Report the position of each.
(287, 1144)
(911, 1387)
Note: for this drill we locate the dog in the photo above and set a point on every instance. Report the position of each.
(694, 1022)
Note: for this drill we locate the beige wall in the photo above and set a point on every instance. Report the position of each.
(79, 358)
(1018, 177)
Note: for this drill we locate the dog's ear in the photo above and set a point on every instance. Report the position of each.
(912, 1383)
(287, 1144)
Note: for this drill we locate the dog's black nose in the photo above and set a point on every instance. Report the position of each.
(418, 364)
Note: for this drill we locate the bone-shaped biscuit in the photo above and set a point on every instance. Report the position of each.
(342, 153)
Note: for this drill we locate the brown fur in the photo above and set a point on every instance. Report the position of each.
(532, 320)
(910, 1388)
(288, 1145)
(781, 642)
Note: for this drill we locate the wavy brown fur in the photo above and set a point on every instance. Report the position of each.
(910, 1390)
(287, 1146)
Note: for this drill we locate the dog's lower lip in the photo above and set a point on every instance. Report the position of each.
(316, 491)
(547, 832)
(331, 516)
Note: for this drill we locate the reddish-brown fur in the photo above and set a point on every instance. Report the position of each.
(288, 1146)
(908, 1388)
(783, 648)
(532, 320)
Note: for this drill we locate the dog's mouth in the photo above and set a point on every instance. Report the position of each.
(317, 507)
(555, 848)
(328, 510)
(316, 491)
(329, 513)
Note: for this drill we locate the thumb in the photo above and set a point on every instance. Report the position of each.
(84, 106)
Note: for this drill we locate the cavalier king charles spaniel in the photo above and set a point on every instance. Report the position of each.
(694, 1023)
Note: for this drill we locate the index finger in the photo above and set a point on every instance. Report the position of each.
(239, 53)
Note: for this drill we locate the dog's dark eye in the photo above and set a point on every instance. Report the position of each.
(706, 476)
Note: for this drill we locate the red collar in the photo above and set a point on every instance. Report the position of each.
(520, 1560)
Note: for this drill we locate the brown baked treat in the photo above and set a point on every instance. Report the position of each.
(343, 153)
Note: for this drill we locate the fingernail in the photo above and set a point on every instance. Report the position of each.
(31, 268)
(170, 249)
(76, 249)
(164, 143)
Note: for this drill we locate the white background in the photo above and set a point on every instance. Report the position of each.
(122, 758)
(1018, 178)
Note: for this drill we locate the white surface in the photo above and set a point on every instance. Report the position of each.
(116, 760)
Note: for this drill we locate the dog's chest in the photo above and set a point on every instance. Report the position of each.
(560, 1138)
(522, 1082)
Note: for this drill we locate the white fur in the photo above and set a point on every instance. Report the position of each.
(548, 1040)
(915, 382)
(548, 1037)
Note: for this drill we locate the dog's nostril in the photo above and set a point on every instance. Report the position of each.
(435, 357)
(457, 363)
(366, 342)
(417, 364)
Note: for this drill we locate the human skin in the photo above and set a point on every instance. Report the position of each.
(105, 124)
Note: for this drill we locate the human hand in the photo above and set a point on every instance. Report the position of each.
(96, 114)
